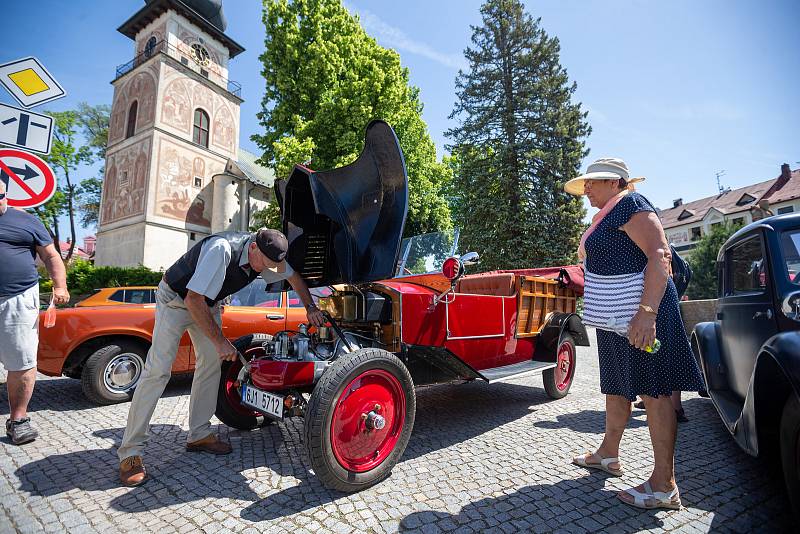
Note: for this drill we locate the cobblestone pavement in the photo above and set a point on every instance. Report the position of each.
(481, 458)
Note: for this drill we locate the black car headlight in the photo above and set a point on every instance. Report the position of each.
(791, 306)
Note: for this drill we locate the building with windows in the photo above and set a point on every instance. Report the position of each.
(685, 224)
(174, 170)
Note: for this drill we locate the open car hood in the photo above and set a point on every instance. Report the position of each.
(345, 225)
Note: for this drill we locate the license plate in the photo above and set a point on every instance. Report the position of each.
(269, 403)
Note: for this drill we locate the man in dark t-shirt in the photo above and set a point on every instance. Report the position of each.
(22, 237)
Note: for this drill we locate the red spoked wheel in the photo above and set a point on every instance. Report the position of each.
(558, 380)
(230, 409)
(359, 419)
(367, 420)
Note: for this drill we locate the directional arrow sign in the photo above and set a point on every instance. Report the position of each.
(24, 129)
(29, 181)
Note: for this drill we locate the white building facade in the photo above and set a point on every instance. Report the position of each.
(685, 224)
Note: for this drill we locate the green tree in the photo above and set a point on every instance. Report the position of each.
(79, 138)
(703, 262)
(269, 217)
(519, 139)
(326, 79)
(66, 155)
(94, 125)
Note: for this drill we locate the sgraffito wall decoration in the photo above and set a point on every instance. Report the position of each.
(182, 179)
(125, 184)
(140, 87)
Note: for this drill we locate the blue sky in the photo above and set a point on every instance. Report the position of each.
(679, 89)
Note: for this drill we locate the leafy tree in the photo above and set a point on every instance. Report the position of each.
(88, 195)
(66, 155)
(79, 138)
(519, 138)
(94, 125)
(269, 217)
(326, 79)
(703, 261)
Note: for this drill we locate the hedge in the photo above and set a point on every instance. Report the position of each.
(83, 277)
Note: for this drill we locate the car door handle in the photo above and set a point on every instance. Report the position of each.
(275, 317)
(767, 314)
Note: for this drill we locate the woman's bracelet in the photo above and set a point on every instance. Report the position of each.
(648, 309)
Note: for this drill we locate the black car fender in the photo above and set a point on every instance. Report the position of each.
(555, 326)
(776, 376)
(706, 347)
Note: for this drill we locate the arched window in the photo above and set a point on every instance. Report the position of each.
(131, 127)
(150, 46)
(200, 133)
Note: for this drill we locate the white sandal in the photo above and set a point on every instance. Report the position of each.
(604, 464)
(653, 499)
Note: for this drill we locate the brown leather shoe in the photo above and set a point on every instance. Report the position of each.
(132, 471)
(210, 443)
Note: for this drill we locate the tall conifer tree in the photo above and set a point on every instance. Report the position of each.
(519, 138)
(325, 80)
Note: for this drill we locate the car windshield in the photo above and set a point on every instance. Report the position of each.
(790, 245)
(425, 253)
(255, 294)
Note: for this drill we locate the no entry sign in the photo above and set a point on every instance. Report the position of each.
(29, 181)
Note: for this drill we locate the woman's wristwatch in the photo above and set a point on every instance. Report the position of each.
(648, 309)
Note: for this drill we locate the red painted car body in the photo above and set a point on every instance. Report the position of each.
(85, 332)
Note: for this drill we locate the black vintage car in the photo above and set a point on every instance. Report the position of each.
(750, 353)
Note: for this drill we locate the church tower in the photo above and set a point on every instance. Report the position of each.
(171, 175)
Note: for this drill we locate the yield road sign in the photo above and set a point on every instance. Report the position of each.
(25, 129)
(29, 181)
(29, 82)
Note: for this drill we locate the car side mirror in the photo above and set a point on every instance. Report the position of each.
(470, 258)
(791, 306)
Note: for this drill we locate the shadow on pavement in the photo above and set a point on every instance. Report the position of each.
(588, 421)
(543, 508)
(446, 415)
(169, 469)
(65, 394)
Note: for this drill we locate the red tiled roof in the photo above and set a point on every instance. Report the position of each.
(78, 252)
(724, 203)
(790, 191)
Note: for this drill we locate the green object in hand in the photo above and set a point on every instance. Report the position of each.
(653, 347)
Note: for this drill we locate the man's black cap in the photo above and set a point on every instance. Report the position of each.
(272, 244)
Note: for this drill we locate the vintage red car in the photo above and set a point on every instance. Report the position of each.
(104, 343)
(353, 381)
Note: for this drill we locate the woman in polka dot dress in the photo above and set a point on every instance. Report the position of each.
(626, 237)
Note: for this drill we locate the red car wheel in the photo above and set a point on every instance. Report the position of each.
(558, 380)
(359, 419)
(230, 409)
(367, 420)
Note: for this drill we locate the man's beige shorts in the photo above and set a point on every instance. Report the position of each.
(19, 330)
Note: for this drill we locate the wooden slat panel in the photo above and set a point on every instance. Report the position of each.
(536, 298)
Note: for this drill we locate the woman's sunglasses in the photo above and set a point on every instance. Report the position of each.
(2, 196)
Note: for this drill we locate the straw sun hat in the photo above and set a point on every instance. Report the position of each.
(601, 169)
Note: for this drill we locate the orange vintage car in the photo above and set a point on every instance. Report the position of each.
(105, 346)
(114, 296)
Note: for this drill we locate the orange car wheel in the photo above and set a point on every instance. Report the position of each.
(111, 373)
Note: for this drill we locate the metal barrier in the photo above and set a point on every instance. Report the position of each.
(163, 47)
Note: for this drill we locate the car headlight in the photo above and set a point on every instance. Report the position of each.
(791, 306)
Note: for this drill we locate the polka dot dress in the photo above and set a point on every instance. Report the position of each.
(624, 369)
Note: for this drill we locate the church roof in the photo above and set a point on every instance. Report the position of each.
(246, 167)
(207, 14)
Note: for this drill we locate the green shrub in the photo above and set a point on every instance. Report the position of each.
(83, 277)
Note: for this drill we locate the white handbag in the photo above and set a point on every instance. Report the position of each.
(610, 302)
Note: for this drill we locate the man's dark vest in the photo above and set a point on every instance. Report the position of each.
(236, 278)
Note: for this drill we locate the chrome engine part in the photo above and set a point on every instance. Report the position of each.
(300, 346)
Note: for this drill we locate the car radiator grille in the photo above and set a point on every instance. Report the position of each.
(316, 256)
